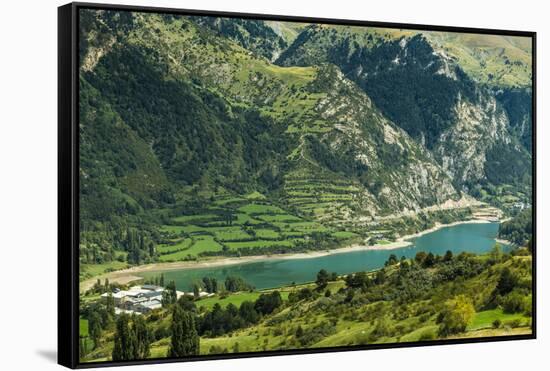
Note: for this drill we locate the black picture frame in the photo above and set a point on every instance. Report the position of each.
(68, 181)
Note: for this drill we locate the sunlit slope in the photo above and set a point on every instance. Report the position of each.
(332, 131)
(495, 60)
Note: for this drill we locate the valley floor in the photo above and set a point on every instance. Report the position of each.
(129, 275)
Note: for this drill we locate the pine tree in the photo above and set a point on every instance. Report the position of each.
(185, 340)
(137, 255)
(322, 279)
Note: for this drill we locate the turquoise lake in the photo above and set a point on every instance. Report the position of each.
(471, 237)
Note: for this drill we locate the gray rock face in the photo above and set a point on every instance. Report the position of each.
(478, 126)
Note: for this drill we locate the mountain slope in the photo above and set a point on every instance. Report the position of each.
(194, 134)
(518, 106)
(498, 61)
(254, 35)
(118, 173)
(200, 100)
(425, 92)
(495, 60)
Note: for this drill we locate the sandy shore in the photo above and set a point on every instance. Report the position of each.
(128, 275)
(503, 242)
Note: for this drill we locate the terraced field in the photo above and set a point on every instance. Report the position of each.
(262, 243)
(315, 211)
(240, 224)
(181, 244)
(317, 194)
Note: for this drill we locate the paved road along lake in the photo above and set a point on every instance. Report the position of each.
(269, 273)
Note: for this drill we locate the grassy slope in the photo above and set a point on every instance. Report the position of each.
(352, 329)
(235, 299)
(278, 92)
(493, 59)
(354, 324)
(221, 64)
(502, 61)
(83, 327)
(287, 30)
(485, 319)
(92, 270)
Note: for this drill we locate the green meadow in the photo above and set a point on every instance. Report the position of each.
(240, 225)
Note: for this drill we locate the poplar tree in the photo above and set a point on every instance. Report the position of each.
(94, 327)
(123, 349)
(82, 348)
(141, 337)
(169, 295)
(110, 305)
(185, 340)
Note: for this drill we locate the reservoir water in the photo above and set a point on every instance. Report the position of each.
(471, 237)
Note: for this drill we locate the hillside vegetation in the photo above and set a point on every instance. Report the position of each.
(424, 299)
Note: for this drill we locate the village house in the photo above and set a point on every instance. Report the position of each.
(138, 299)
(143, 299)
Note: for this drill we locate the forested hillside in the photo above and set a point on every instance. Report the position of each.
(423, 299)
(519, 229)
(340, 127)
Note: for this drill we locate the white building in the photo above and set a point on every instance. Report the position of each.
(143, 299)
(138, 299)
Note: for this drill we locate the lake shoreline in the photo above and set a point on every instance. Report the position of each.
(128, 275)
(439, 226)
(504, 242)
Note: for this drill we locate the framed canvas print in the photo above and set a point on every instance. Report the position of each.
(238, 185)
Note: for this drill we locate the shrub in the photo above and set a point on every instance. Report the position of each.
(513, 323)
(427, 336)
(314, 334)
(516, 302)
(278, 331)
(383, 328)
(456, 315)
(424, 317)
(506, 282)
(161, 332)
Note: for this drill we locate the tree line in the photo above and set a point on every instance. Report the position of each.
(518, 230)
